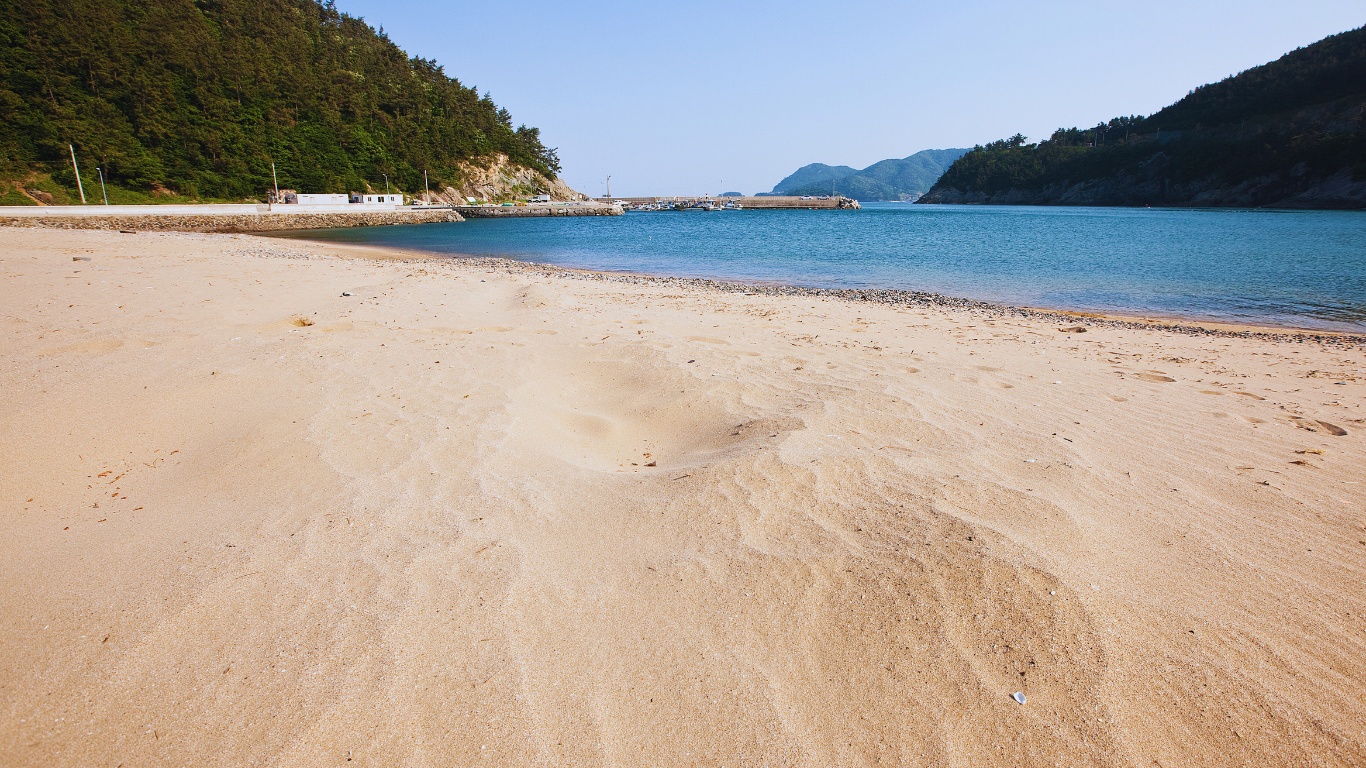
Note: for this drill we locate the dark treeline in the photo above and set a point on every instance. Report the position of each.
(199, 96)
(1261, 137)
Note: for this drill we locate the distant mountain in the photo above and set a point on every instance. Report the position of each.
(897, 179)
(1288, 134)
(811, 174)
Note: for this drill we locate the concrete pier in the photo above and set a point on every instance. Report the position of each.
(539, 209)
(747, 202)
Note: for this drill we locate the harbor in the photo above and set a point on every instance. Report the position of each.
(253, 217)
(335, 212)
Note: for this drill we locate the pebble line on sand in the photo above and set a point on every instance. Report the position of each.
(887, 296)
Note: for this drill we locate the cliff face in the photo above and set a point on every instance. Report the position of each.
(503, 180)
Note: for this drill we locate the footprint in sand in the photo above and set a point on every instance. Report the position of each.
(1155, 377)
(1318, 426)
(96, 346)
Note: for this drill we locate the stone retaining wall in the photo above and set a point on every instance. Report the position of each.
(211, 222)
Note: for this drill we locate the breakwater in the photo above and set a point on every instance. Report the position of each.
(216, 218)
(766, 202)
(808, 203)
(538, 209)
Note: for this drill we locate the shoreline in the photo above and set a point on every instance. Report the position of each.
(890, 296)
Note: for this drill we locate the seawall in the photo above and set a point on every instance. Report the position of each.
(215, 218)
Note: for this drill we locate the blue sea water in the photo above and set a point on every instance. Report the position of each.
(1294, 268)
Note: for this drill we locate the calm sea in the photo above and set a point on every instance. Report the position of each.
(1295, 268)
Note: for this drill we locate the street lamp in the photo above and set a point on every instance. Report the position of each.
(386, 183)
(103, 191)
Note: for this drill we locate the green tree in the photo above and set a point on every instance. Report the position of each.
(200, 96)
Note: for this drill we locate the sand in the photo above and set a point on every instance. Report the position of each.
(483, 515)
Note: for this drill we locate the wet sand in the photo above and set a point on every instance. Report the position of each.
(477, 514)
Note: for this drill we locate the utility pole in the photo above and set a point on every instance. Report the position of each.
(77, 168)
(386, 183)
(609, 187)
(426, 189)
(276, 179)
(103, 191)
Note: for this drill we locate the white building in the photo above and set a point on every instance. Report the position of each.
(322, 200)
(394, 199)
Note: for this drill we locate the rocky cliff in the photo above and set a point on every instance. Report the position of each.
(502, 180)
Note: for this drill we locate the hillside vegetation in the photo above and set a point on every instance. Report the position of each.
(196, 98)
(896, 179)
(1291, 133)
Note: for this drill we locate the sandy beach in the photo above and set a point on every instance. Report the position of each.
(270, 502)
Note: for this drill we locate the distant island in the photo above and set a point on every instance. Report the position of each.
(195, 100)
(904, 179)
(1288, 134)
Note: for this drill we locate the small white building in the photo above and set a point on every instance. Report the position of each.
(322, 200)
(394, 199)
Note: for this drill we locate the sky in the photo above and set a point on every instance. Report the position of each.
(691, 97)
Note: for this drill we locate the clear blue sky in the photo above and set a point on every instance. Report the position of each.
(674, 98)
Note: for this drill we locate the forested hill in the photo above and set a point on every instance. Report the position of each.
(198, 97)
(1291, 133)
